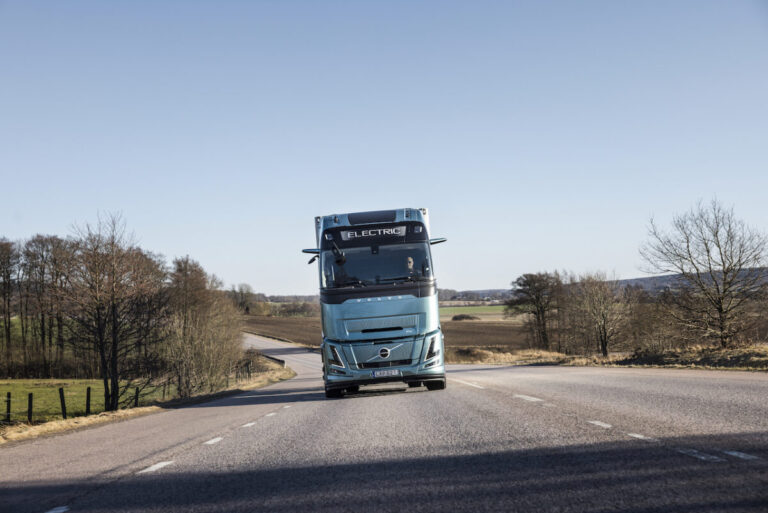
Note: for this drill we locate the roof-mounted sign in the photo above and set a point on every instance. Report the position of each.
(395, 231)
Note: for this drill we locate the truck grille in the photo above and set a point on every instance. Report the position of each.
(377, 365)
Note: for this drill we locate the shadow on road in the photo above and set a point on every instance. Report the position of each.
(297, 395)
(627, 476)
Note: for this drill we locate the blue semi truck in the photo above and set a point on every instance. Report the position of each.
(378, 299)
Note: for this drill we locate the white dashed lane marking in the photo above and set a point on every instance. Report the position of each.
(528, 398)
(60, 509)
(600, 424)
(642, 437)
(156, 466)
(287, 406)
(742, 455)
(269, 414)
(249, 424)
(214, 440)
(699, 455)
(467, 383)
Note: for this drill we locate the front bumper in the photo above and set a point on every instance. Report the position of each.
(341, 369)
(335, 384)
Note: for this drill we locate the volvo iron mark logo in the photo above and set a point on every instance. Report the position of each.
(384, 352)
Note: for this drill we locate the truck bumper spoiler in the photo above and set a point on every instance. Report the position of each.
(339, 385)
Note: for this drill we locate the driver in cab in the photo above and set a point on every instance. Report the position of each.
(410, 269)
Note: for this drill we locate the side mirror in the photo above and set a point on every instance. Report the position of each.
(432, 242)
(312, 251)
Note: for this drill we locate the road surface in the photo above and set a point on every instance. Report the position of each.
(498, 439)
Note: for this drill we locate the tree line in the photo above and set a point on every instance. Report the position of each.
(96, 305)
(717, 292)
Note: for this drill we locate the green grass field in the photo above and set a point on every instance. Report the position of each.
(450, 311)
(46, 404)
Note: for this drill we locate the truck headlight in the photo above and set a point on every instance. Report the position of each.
(433, 352)
(334, 358)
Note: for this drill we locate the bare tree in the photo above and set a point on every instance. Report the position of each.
(9, 260)
(112, 283)
(597, 309)
(204, 340)
(536, 295)
(720, 263)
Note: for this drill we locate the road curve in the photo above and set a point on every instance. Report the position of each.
(498, 439)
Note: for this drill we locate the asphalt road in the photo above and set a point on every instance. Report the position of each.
(498, 439)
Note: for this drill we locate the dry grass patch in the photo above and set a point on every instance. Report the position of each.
(500, 355)
(751, 358)
(754, 357)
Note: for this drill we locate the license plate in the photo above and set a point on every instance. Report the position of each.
(386, 373)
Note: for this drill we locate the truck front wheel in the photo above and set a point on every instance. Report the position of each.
(435, 385)
(333, 393)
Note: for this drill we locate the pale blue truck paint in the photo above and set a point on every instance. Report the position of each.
(374, 330)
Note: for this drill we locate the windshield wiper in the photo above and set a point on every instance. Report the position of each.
(338, 254)
(400, 278)
(353, 282)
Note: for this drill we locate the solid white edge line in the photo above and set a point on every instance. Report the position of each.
(642, 437)
(699, 455)
(213, 441)
(528, 398)
(600, 424)
(287, 406)
(60, 509)
(156, 466)
(467, 383)
(269, 414)
(249, 424)
(742, 455)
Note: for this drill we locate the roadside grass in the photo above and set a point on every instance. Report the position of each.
(271, 372)
(749, 358)
(47, 405)
(501, 356)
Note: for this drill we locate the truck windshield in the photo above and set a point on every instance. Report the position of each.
(377, 265)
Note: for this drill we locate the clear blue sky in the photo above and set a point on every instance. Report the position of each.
(541, 135)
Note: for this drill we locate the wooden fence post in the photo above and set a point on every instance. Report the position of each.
(8, 408)
(88, 401)
(63, 404)
(29, 408)
(136, 398)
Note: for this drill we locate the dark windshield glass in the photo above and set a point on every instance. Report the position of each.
(376, 265)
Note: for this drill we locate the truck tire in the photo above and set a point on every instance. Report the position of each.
(435, 385)
(334, 393)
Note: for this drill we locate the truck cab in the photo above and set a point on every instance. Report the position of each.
(378, 299)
